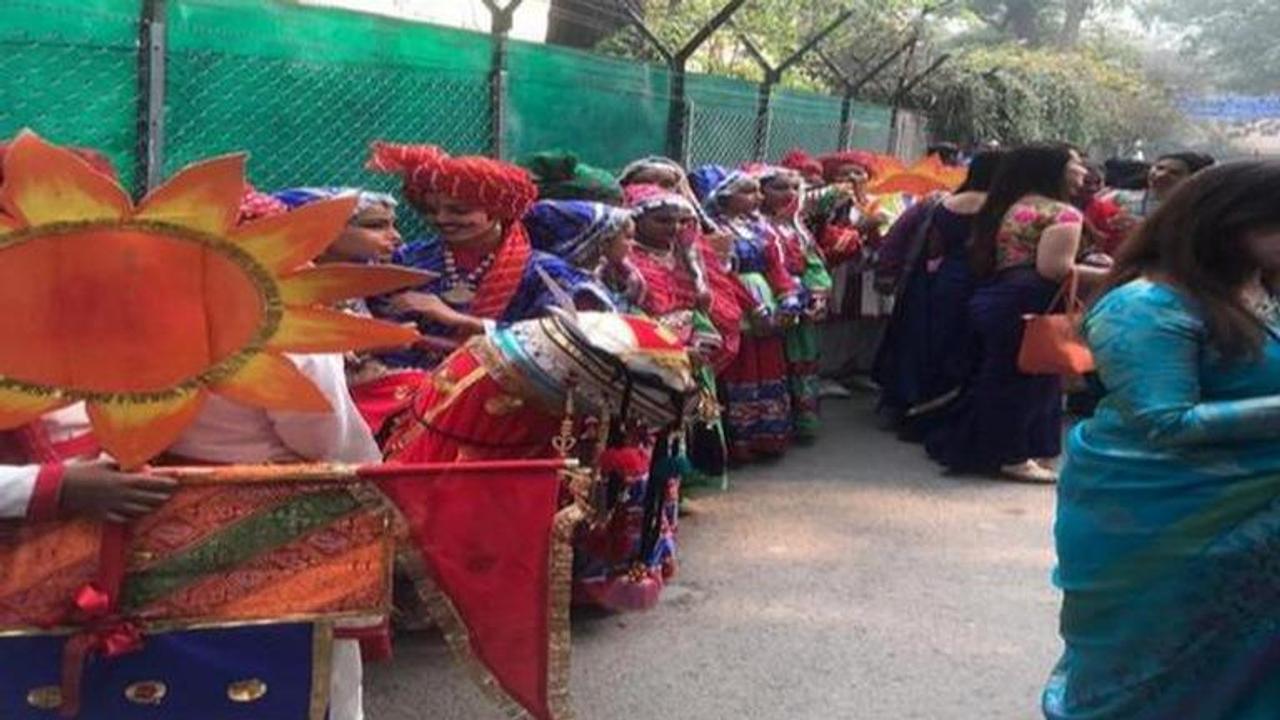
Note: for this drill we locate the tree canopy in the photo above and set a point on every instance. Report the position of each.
(1020, 69)
(1234, 43)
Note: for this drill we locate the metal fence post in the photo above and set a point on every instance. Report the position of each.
(846, 123)
(764, 117)
(152, 48)
(501, 28)
(679, 116)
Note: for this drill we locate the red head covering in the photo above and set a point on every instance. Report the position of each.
(255, 206)
(503, 190)
(801, 161)
(832, 163)
(644, 197)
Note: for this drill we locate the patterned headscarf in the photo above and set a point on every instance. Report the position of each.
(573, 229)
(712, 182)
(832, 163)
(649, 163)
(255, 205)
(561, 176)
(365, 199)
(501, 189)
(644, 197)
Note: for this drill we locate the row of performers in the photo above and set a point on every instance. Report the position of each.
(732, 264)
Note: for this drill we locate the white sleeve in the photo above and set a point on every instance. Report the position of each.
(337, 436)
(17, 483)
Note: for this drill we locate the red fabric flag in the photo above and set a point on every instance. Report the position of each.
(492, 562)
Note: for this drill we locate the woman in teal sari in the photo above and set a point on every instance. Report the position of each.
(1168, 527)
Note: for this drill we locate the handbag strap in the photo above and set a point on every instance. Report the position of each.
(1070, 287)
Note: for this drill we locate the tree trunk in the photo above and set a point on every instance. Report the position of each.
(1023, 21)
(581, 23)
(1077, 11)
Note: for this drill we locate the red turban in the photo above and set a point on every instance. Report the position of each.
(801, 161)
(503, 190)
(832, 163)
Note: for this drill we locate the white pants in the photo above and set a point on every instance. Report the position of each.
(346, 700)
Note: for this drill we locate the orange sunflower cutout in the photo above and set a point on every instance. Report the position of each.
(928, 175)
(143, 311)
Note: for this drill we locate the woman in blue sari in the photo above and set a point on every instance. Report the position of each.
(1168, 526)
(923, 360)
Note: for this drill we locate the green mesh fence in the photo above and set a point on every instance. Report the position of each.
(870, 126)
(305, 90)
(69, 71)
(608, 111)
(803, 120)
(722, 119)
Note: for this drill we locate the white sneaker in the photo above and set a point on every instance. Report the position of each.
(1029, 471)
(833, 389)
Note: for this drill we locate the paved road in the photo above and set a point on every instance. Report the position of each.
(847, 581)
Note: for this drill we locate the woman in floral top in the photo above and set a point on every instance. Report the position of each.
(1025, 244)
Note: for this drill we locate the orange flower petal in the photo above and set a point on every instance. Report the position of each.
(205, 196)
(284, 242)
(328, 284)
(44, 183)
(273, 382)
(9, 224)
(18, 408)
(317, 330)
(135, 432)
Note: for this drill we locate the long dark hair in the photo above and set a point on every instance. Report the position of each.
(982, 170)
(1196, 241)
(1027, 170)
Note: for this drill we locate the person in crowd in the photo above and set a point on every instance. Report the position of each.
(560, 175)
(923, 360)
(1104, 224)
(947, 152)
(1167, 521)
(782, 190)
(808, 166)
(488, 270)
(369, 237)
(843, 216)
(754, 387)
(597, 236)
(1026, 239)
(583, 233)
(228, 432)
(1165, 175)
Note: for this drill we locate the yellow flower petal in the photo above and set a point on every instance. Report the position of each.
(285, 242)
(273, 382)
(205, 196)
(44, 184)
(135, 432)
(328, 284)
(316, 330)
(18, 408)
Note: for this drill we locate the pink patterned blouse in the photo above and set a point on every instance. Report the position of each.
(1023, 225)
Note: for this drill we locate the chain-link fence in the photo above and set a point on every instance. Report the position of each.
(69, 71)
(305, 90)
(807, 121)
(722, 120)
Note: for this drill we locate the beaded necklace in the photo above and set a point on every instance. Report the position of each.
(462, 288)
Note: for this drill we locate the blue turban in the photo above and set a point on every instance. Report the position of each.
(297, 197)
(573, 229)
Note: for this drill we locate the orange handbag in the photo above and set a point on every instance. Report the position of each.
(1051, 343)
